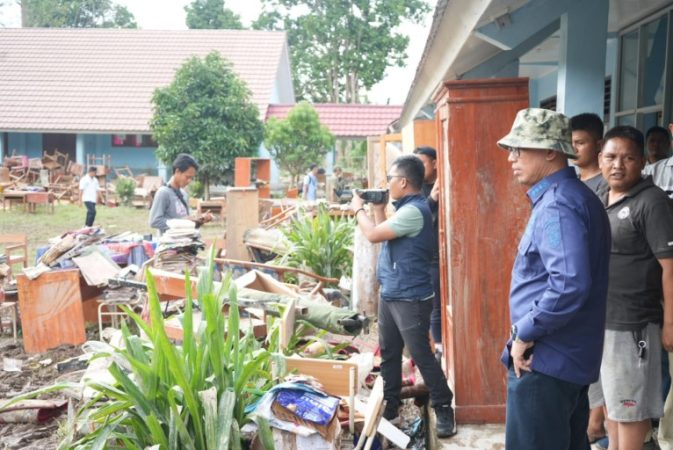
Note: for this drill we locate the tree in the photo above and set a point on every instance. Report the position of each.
(207, 112)
(211, 14)
(75, 14)
(298, 140)
(340, 49)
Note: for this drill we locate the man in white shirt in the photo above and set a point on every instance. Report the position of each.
(662, 172)
(88, 194)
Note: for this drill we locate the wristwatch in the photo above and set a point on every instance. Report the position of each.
(515, 334)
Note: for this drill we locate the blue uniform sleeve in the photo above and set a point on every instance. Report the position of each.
(560, 235)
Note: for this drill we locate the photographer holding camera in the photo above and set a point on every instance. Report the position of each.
(407, 292)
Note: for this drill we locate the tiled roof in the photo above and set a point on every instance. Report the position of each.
(102, 80)
(348, 120)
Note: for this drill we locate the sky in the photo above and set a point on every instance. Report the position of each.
(170, 15)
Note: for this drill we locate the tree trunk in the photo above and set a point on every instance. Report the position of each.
(206, 187)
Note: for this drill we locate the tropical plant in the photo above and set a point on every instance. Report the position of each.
(298, 140)
(321, 242)
(125, 188)
(191, 396)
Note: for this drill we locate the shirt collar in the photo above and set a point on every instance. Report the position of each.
(538, 189)
(644, 183)
(397, 204)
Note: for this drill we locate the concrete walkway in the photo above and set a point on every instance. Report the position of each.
(478, 437)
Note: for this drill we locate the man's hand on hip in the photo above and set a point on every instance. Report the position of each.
(518, 360)
(667, 337)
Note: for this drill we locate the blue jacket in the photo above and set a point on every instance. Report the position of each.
(560, 279)
(404, 262)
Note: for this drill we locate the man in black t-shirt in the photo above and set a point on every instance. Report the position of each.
(641, 275)
(431, 192)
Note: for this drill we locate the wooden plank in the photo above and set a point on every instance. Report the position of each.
(242, 214)
(333, 375)
(425, 133)
(374, 403)
(287, 324)
(174, 329)
(96, 269)
(51, 310)
(365, 292)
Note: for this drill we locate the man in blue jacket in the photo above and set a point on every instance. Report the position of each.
(558, 290)
(407, 292)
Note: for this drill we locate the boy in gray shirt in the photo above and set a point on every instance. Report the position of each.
(170, 201)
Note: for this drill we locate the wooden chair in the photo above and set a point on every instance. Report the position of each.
(144, 194)
(16, 248)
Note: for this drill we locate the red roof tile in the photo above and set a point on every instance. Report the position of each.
(102, 80)
(348, 120)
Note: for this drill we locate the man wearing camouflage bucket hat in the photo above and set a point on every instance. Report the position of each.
(558, 290)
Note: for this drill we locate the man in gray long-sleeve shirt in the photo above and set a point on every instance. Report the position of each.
(170, 201)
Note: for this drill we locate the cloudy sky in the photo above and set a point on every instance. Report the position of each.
(170, 15)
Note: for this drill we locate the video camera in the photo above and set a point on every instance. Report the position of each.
(374, 196)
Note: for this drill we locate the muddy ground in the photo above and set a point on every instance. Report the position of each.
(37, 371)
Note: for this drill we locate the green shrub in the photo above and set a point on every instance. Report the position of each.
(196, 189)
(125, 188)
(321, 243)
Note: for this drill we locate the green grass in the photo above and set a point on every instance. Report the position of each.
(42, 225)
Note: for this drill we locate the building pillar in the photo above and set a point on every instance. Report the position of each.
(581, 75)
(3, 150)
(162, 171)
(80, 154)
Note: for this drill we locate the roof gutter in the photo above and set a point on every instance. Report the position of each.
(453, 21)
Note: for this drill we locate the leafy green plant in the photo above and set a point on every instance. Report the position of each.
(191, 396)
(298, 140)
(196, 189)
(125, 188)
(321, 243)
(209, 110)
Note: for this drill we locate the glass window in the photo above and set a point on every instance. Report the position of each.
(133, 140)
(628, 71)
(650, 120)
(627, 120)
(654, 62)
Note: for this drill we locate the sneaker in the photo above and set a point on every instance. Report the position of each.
(446, 421)
(392, 411)
(602, 444)
(651, 445)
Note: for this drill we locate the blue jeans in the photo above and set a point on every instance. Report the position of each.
(544, 412)
(90, 213)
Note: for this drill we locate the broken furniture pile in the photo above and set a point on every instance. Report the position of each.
(53, 173)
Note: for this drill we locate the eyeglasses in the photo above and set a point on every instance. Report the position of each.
(515, 152)
(390, 177)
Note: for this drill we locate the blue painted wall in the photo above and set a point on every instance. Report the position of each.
(29, 144)
(139, 159)
(542, 88)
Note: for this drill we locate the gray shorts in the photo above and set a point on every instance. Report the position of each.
(596, 394)
(632, 385)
